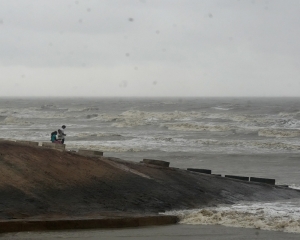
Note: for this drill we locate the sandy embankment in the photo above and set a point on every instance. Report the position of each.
(38, 183)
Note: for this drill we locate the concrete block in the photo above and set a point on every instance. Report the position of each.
(263, 180)
(237, 177)
(28, 143)
(57, 146)
(156, 162)
(207, 171)
(93, 153)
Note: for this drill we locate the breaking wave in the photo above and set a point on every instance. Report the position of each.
(138, 118)
(289, 123)
(86, 109)
(283, 133)
(295, 186)
(275, 216)
(99, 134)
(196, 127)
(276, 145)
(222, 108)
(105, 148)
(16, 121)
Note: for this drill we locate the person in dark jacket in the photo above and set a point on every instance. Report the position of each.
(53, 137)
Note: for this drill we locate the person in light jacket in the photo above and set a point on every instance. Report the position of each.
(61, 134)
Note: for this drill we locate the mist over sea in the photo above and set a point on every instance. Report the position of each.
(255, 137)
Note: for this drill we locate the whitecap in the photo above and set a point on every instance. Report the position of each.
(279, 133)
(96, 134)
(188, 126)
(104, 148)
(222, 108)
(10, 120)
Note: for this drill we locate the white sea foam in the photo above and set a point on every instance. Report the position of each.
(97, 134)
(222, 108)
(129, 123)
(48, 106)
(10, 120)
(288, 123)
(33, 113)
(275, 216)
(188, 126)
(295, 186)
(132, 118)
(84, 109)
(284, 133)
(138, 118)
(171, 144)
(290, 114)
(104, 148)
(275, 145)
(166, 144)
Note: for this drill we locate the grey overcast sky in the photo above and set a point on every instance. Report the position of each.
(150, 48)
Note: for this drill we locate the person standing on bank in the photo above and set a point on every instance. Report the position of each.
(61, 134)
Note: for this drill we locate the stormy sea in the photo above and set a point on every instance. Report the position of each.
(254, 137)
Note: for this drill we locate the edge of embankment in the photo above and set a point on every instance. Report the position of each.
(104, 222)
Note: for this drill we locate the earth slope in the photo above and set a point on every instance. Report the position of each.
(38, 182)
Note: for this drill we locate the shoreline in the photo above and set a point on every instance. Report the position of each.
(102, 222)
(45, 189)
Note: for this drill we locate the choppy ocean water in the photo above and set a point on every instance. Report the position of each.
(256, 137)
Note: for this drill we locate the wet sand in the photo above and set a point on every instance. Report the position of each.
(174, 232)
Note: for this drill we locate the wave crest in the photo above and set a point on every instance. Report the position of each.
(16, 121)
(99, 134)
(104, 148)
(197, 127)
(283, 133)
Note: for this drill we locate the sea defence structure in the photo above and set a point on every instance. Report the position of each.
(41, 187)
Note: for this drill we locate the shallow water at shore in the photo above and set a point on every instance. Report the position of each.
(176, 232)
(282, 216)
